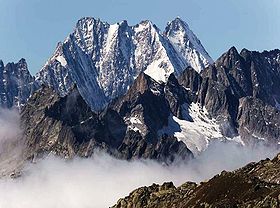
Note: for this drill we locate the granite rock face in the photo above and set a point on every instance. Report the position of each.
(256, 119)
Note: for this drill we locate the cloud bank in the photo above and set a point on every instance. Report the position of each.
(11, 145)
(100, 181)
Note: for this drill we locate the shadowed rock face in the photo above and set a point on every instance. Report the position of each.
(241, 89)
(251, 73)
(262, 119)
(63, 126)
(66, 126)
(255, 185)
(151, 103)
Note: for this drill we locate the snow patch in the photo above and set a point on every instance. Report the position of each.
(158, 72)
(111, 35)
(257, 137)
(197, 131)
(134, 123)
(62, 60)
(135, 120)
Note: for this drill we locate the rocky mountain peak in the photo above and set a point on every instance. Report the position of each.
(177, 25)
(244, 51)
(230, 59)
(187, 43)
(16, 84)
(109, 57)
(22, 63)
(141, 83)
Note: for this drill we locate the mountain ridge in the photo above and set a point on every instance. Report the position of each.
(66, 126)
(109, 57)
(111, 64)
(223, 102)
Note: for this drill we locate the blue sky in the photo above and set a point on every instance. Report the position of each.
(32, 28)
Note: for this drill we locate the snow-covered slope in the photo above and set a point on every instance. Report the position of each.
(187, 44)
(103, 59)
(196, 130)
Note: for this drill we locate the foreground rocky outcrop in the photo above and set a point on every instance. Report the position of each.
(255, 185)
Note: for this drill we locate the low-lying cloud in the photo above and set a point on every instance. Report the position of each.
(9, 124)
(11, 145)
(100, 181)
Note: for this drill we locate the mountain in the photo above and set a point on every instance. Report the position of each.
(155, 84)
(66, 126)
(191, 110)
(187, 44)
(255, 185)
(225, 101)
(221, 100)
(235, 99)
(242, 88)
(16, 84)
(103, 60)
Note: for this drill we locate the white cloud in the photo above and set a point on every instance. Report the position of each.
(11, 146)
(100, 181)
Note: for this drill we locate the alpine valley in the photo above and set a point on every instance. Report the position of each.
(137, 92)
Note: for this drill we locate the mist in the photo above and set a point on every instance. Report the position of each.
(9, 124)
(101, 180)
(11, 145)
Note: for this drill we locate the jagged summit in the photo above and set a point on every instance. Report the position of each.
(16, 84)
(177, 24)
(67, 127)
(184, 40)
(105, 59)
